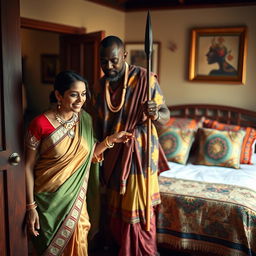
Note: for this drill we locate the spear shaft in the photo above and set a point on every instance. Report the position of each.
(148, 51)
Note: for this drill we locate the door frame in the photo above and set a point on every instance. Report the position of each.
(51, 27)
(12, 176)
(55, 27)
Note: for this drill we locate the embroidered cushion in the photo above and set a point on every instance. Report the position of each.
(176, 143)
(182, 124)
(248, 141)
(185, 123)
(220, 148)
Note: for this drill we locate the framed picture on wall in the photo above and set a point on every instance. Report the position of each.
(218, 55)
(49, 67)
(137, 56)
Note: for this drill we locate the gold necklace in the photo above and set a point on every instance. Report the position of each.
(107, 94)
(69, 124)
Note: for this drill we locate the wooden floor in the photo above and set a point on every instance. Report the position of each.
(162, 252)
(98, 249)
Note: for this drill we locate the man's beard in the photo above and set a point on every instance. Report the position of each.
(117, 76)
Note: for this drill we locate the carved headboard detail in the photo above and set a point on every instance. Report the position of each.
(224, 114)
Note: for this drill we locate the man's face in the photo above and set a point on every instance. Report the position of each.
(112, 60)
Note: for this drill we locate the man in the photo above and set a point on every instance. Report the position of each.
(121, 105)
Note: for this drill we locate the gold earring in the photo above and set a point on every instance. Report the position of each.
(58, 105)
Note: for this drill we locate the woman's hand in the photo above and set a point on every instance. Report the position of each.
(33, 222)
(109, 142)
(120, 137)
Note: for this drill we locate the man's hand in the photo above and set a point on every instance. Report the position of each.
(151, 109)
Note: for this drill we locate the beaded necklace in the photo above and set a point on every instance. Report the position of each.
(107, 94)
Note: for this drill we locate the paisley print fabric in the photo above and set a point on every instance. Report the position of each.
(209, 218)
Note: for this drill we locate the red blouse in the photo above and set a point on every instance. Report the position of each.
(39, 128)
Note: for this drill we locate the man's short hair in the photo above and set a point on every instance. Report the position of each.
(111, 40)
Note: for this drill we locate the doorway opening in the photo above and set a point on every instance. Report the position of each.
(40, 50)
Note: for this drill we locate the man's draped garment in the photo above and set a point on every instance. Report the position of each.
(125, 165)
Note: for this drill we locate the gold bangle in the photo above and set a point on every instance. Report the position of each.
(31, 206)
(31, 203)
(107, 144)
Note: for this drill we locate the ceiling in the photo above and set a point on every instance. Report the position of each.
(137, 5)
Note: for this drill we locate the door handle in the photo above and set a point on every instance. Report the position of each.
(14, 159)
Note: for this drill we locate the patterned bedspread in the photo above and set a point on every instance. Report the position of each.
(207, 217)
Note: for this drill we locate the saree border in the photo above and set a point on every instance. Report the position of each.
(68, 226)
(54, 138)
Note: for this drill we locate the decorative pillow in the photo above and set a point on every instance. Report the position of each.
(176, 143)
(185, 123)
(220, 148)
(249, 138)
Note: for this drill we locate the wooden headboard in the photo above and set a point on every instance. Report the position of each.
(224, 114)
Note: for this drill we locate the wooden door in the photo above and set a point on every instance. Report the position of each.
(12, 179)
(80, 53)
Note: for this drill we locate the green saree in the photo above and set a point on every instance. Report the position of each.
(61, 180)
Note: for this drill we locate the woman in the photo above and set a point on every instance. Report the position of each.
(218, 53)
(59, 150)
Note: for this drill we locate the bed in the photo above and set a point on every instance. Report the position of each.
(210, 209)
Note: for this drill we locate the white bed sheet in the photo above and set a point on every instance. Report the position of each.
(245, 176)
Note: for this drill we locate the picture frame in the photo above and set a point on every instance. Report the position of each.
(137, 56)
(218, 55)
(49, 67)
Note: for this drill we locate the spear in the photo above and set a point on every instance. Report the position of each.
(148, 51)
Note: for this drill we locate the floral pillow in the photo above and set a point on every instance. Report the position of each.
(220, 148)
(176, 143)
(248, 141)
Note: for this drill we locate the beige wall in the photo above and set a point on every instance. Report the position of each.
(34, 43)
(168, 26)
(174, 26)
(76, 13)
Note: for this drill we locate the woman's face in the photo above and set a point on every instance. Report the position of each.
(212, 56)
(216, 54)
(74, 98)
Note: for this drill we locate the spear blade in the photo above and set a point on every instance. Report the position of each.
(148, 37)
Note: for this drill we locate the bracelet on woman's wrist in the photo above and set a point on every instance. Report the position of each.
(108, 144)
(31, 206)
